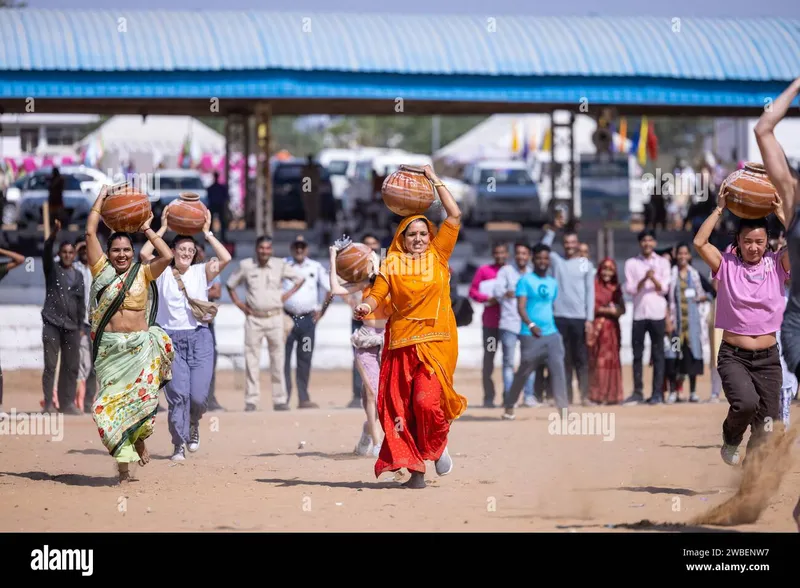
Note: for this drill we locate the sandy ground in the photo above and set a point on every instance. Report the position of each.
(251, 473)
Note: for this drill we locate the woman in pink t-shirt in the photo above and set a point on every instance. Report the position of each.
(750, 289)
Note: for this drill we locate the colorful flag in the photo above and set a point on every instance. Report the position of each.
(623, 132)
(641, 150)
(652, 141)
(184, 159)
(514, 139)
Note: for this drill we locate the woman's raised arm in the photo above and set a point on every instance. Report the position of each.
(778, 170)
(449, 203)
(94, 250)
(222, 256)
(160, 263)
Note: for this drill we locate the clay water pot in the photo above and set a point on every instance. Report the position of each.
(125, 209)
(187, 214)
(353, 262)
(408, 191)
(749, 192)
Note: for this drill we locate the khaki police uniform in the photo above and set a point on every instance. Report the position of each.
(263, 287)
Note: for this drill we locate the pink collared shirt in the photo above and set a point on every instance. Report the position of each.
(649, 304)
(750, 298)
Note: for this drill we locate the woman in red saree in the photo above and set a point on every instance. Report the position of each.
(416, 398)
(605, 367)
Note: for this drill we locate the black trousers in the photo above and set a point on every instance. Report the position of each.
(358, 383)
(302, 335)
(752, 383)
(57, 341)
(491, 341)
(220, 212)
(576, 355)
(656, 330)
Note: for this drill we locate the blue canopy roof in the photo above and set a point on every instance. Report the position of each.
(248, 54)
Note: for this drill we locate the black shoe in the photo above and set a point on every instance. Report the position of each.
(284, 406)
(655, 400)
(250, 408)
(355, 403)
(194, 438)
(633, 399)
(70, 409)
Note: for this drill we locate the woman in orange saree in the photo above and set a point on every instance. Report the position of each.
(605, 367)
(416, 399)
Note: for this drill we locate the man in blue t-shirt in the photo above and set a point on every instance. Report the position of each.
(540, 340)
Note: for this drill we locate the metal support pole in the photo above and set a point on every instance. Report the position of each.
(610, 242)
(227, 164)
(571, 142)
(247, 124)
(268, 175)
(601, 246)
(264, 197)
(553, 165)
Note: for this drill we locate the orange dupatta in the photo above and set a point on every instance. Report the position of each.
(419, 288)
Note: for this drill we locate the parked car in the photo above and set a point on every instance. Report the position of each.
(287, 190)
(81, 187)
(501, 190)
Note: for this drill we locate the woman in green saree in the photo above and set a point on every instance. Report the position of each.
(132, 355)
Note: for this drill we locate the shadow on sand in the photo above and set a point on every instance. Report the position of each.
(653, 490)
(357, 485)
(68, 479)
(87, 451)
(334, 456)
(646, 525)
(690, 446)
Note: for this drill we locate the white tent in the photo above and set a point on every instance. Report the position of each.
(165, 134)
(493, 137)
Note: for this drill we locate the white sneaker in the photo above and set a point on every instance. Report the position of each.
(376, 450)
(730, 454)
(194, 438)
(179, 454)
(364, 446)
(444, 465)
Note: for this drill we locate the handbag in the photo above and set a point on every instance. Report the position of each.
(202, 310)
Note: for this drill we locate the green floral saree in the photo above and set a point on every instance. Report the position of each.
(131, 368)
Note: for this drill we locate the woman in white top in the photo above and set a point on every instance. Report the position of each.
(193, 367)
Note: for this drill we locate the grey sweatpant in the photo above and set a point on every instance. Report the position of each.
(187, 392)
(537, 351)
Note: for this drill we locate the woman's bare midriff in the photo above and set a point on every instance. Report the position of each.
(374, 323)
(748, 341)
(127, 321)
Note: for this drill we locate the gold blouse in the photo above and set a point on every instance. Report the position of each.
(136, 297)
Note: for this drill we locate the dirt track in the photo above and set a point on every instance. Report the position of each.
(250, 474)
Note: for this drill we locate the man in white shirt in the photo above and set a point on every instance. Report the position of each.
(304, 308)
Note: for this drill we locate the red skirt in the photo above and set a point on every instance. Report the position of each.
(410, 413)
